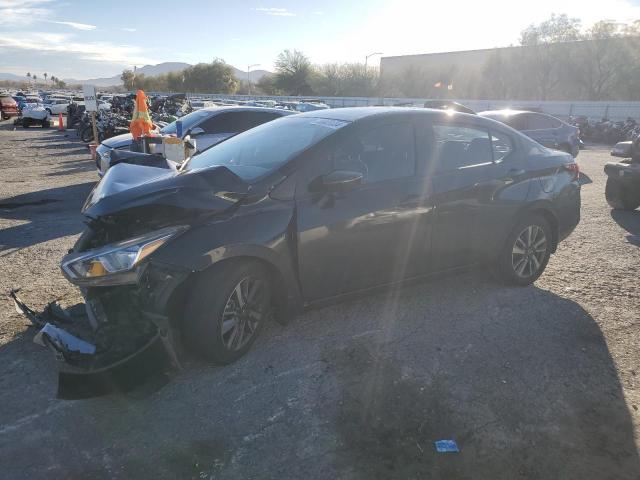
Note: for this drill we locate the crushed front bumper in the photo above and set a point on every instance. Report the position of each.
(97, 356)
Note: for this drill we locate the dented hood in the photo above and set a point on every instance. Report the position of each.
(127, 186)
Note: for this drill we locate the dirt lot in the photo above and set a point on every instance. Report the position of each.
(538, 382)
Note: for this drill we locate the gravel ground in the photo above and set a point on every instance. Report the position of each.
(537, 382)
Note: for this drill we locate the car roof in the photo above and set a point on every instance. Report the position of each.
(352, 114)
(505, 112)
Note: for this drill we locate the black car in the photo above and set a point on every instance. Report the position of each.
(623, 178)
(298, 212)
(541, 127)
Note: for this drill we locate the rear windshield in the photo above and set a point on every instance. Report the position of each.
(188, 121)
(7, 101)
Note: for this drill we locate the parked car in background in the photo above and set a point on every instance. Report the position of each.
(8, 107)
(448, 105)
(541, 127)
(208, 126)
(35, 114)
(56, 106)
(303, 210)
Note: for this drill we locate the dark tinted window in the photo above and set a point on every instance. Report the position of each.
(517, 122)
(382, 153)
(540, 122)
(502, 146)
(234, 122)
(458, 146)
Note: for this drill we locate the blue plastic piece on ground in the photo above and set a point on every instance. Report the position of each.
(447, 446)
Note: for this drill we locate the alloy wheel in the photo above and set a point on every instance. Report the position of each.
(529, 250)
(245, 309)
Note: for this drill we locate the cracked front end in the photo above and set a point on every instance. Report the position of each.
(122, 336)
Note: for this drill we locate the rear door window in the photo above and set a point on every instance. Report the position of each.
(501, 145)
(539, 122)
(459, 146)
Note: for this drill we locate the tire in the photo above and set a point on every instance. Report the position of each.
(86, 135)
(48, 110)
(45, 123)
(5, 117)
(216, 291)
(521, 269)
(26, 123)
(620, 196)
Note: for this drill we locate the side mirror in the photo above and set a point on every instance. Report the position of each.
(340, 181)
(195, 131)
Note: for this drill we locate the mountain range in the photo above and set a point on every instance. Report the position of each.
(147, 70)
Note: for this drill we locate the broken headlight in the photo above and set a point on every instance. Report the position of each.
(115, 264)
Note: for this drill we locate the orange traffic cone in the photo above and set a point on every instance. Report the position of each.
(60, 123)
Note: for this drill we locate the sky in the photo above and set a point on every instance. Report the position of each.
(90, 39)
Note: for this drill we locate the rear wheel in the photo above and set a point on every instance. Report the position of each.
(620, 197)
(526, 251)
(86, 135)
(227, 309)
(26, 123)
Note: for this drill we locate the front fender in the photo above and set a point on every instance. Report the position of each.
(260, 231)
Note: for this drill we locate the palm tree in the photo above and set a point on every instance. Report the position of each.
(35, 79)
(45, 78)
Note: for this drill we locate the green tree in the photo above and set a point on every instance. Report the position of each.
(267, 85)
(293, 73)
(344, 80)
(215, 77)
(541, 60)
(127, 78)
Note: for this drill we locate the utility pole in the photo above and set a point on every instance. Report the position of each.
(249, 67)
(366, 60)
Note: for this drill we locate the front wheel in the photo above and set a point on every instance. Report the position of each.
(620, 196)
(226, 310)
(26, 123)
(526, 251)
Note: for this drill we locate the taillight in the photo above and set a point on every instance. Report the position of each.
(573, 169)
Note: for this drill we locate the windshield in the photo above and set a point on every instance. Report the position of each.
(188, 121)
(265, 148)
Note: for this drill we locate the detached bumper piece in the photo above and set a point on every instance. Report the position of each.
(110, 356)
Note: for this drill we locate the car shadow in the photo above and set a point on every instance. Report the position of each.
(49, 214)
(630, 221)
(520, 378)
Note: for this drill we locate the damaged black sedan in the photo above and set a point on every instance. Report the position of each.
(296, 212)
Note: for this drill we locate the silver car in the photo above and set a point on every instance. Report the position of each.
(208, 126)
